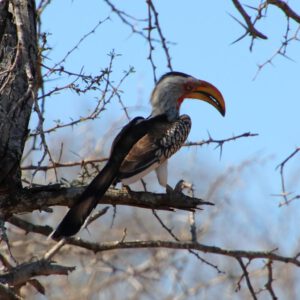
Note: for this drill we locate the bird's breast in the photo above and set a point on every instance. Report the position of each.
(174, 137)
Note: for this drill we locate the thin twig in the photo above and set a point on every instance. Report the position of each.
(161, 36)
(284, 194)
(247, 278)
(268, 285)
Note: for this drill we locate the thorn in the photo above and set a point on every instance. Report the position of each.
(251, 7)
(240, 38)
(238, 21)
(209, 136)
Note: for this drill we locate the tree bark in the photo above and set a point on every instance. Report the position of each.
(18, 69)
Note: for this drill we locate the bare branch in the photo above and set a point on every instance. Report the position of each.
(30, 227)
(124, 18)
(7, 293)
(268, 285)
(187, 245)
(151, 47)
(84, 37)
(260, 12)
(57, 164)
(281, 50)
(24, 272)
(65, 165)
(246, 275)
(138, 244)
(219, 143)
(284, 193)
(251, 30)
(161, 36)
(42, 197)
(289, 12)
(171, 233)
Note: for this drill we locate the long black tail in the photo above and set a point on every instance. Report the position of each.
(88, 200)
(122, 144)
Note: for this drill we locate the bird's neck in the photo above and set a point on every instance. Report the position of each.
(165, 106)
(172, 113)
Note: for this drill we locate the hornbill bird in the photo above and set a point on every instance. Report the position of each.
(144, 145)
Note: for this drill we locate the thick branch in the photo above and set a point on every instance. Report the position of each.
(18, 61)
(289, 12)
(24, 272)
(138, 244)
(7, 294)
(28, 200)
(250, 26)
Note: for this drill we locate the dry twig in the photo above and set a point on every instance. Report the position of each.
(284, 193)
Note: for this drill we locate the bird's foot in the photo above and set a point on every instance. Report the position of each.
(179, 187)
(169, 190)
(127, 188)
(183, 185)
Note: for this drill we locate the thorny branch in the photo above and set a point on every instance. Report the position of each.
(152, 25)
(284, 193)
(107, 94)
(250, 28)
(286, 9)
(65, 165)
(43, 197)
(151, 47)
(22, 273)
(210, 140)
(171, 233)
(7, 293)
(221, 142)
(138, 244)
(246, 276)
(127, 19)
(268, 285)
(282, 50)
(82, 39)
(159, 30)
(135, 199)
(239, 255)
(251, 23)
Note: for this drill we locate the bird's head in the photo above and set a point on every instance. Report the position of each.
(173, 87)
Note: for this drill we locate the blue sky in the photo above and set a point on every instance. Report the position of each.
(202, 32)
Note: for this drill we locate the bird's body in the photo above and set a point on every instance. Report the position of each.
(144, 145)
(151, 152)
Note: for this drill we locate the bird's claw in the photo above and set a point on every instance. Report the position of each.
(127, 188)
(179, 187)
(169, 190)
(182, 185)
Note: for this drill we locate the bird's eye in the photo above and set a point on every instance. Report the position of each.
(188, 87)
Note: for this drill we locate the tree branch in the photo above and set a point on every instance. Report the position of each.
(43, 197)
(284, 193)
(250, 26)
(247, 277)
(24, 272)
(7, 293)
(139, 244)
(289, 12)
(268, 285)
(106, 246)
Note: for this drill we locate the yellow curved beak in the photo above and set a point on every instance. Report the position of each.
(207, 92)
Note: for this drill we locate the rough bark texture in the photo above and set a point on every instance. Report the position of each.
(42, 198)
(18, 65)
